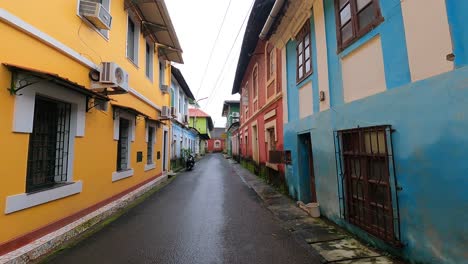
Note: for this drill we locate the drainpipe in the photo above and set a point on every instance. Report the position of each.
(271, 18)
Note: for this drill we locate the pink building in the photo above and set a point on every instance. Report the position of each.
(258, 80)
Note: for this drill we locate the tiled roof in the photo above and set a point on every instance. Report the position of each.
(197, 112)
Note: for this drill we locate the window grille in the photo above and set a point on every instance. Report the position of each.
(48, 144)
(367, 181)
(122, 145)
(149, 154)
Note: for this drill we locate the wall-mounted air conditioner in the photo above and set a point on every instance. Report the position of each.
(173, 111)
(165, 112)
(96, 14)
(164, 88)
(112, 79)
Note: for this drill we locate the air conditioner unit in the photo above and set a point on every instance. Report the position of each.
(164, 88)
(112, 79)
(234, 120)
(174, 111)
(165, 112)
(96, 14)
(235, 114)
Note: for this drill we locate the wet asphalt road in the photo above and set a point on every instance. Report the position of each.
(208, 215)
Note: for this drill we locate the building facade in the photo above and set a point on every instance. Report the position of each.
(183, 137)
(375, 104)
(201, 122)
(217, 142)
(231, 112)
(66, 149)
(258, 81)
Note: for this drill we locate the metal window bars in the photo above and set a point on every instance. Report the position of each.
(367, 184)
(48, 144)
(122, 145)
(149, 149)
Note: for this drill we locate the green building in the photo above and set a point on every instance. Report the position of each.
(231, 112)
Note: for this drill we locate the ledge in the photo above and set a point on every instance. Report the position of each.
(151, 166)
(22, 201)
(119, 175)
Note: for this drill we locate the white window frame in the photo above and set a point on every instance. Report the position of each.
(151, 60)
(136, 39)
(152, 165)
(271, 125)
(119, 175)
(23, 123)
(162, 73)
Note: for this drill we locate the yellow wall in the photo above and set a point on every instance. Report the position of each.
(95, 153)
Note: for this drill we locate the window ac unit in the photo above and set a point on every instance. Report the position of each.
(173, 111)
(165, 112)
(235, 114)
(96, 14)
(111, 77)
(164, 88)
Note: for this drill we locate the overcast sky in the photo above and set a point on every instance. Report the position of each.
(197, 24)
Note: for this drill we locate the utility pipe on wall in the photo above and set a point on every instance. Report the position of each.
(271, 18)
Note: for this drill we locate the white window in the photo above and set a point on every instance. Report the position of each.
(150, 141)
(65, 108)
(181, 101)
(162, 73)
(106, 5)
(149, 58)
(133, 36)
(217, 144)
(124, 134)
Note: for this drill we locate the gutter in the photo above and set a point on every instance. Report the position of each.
(271, 18)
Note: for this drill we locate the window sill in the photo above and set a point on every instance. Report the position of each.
(89, 24)
(132, 62)
(119, 175)
(272, 166)
(22, 201)
(151, 166)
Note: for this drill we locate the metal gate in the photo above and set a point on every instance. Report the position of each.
(365, 164)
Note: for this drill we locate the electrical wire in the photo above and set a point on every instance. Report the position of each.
(229, 54)
(212, 49)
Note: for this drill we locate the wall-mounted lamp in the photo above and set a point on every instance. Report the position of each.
(322, 96)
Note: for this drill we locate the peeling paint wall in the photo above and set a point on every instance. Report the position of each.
(430, 140)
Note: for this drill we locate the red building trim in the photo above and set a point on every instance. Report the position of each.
(25, 239)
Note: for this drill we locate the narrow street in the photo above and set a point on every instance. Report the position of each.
(208, 215)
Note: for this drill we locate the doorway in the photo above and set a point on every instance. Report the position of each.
(255, 143)
(306, 164)
(165, 150)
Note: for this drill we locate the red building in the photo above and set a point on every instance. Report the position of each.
(217, 142)
(258, 79)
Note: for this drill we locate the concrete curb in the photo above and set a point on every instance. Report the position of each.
(53, 240)
(327, 241)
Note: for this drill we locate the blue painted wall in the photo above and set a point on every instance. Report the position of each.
(178, 133)
(430, 118)
(456, 12)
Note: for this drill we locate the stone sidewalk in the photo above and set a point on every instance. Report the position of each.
(332, 244)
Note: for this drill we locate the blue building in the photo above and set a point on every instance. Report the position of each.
(184, 138)
(376, 118)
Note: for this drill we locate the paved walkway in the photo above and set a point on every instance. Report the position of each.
(331, 243)
(205, 216)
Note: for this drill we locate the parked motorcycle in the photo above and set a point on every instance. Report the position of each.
(190, 162)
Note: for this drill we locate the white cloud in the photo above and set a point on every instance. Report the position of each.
(197, 24)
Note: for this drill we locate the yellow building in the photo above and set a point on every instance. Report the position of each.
(83, 118)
